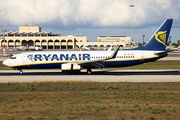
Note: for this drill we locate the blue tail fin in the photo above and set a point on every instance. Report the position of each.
(159, 39)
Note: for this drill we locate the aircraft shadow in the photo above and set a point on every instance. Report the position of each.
(103, 72)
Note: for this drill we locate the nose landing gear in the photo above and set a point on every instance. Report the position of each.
(20, 72)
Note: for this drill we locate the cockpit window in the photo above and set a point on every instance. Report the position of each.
(12, 57)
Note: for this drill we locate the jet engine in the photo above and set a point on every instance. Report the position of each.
(70, 67)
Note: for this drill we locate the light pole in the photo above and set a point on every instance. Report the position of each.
(170, 41)
(132, 19)
(4, 46)
(143, 39)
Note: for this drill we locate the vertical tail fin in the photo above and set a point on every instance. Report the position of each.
(159, 39)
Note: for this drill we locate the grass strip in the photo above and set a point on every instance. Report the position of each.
(89, 100)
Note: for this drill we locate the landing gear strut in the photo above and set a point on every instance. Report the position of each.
(89, 71)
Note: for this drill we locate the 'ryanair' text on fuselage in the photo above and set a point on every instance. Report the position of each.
(60, 57)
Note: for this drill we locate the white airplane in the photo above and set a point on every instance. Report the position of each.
(74, 61)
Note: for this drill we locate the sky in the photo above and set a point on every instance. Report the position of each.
(92, 18)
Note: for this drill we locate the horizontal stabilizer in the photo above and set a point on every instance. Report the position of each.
(162, 52)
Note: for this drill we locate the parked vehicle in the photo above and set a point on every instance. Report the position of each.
(177, 48)
(29, 48)
(35, 48)
(22, 48)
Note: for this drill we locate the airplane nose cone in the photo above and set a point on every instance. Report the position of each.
(6, 63)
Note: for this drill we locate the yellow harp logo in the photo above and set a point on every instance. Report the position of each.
(161, 37)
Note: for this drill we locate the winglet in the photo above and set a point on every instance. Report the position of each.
(114, 53)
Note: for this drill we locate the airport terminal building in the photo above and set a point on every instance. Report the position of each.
(32, 36)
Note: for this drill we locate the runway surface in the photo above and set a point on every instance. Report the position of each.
(97, 76)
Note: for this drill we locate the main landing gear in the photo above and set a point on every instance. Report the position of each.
(89, 71)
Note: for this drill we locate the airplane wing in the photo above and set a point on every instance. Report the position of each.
(98, 63)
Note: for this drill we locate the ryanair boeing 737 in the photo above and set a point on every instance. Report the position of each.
(74, 61)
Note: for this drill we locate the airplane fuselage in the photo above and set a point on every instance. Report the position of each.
(54, 59)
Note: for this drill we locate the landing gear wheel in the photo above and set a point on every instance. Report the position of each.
(21, 72)
(89, 71)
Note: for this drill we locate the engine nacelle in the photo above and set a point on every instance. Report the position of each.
(70, 67)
